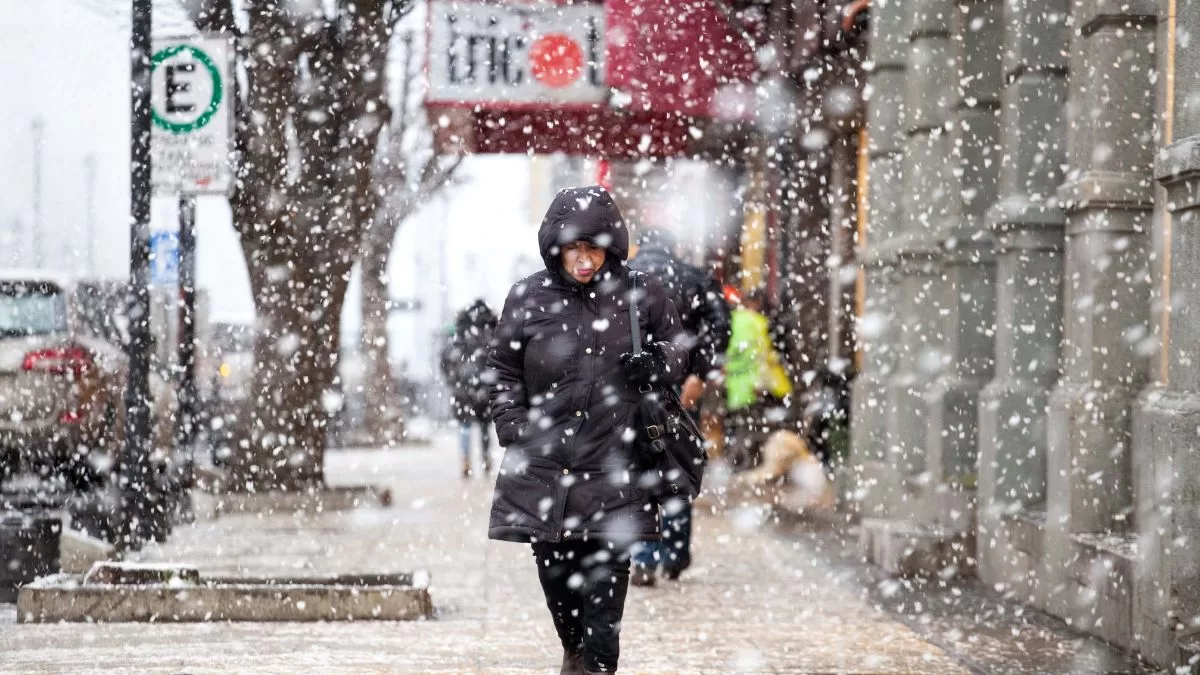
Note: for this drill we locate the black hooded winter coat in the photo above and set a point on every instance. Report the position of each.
(559, 399)
(697, 297)
(463, 362)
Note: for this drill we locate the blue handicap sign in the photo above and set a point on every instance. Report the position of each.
(164, 258)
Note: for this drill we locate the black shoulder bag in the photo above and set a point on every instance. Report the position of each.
(668, 443)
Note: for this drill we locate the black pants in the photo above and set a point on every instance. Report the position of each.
(585, 583)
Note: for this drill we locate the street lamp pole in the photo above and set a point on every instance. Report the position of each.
(93, 238)
(136, 470)
(35, 234)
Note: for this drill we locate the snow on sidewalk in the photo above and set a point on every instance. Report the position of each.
(752, 602)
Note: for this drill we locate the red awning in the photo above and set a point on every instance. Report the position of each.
(670, 56)
(594, 133)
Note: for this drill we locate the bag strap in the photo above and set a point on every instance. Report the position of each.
(633, 315)
(668, 392)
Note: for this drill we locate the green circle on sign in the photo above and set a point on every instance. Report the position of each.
(217, 90)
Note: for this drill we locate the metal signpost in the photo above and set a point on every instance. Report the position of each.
(185, 423)
(135, 459)
(181, 128)
(192, 123)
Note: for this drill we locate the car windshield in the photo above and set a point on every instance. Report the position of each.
(31, 308)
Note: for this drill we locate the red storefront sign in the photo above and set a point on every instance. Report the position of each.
(673, 55)
(623, 78)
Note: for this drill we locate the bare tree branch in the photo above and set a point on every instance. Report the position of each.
(397, 10)
(438, 173)
(214, 16)
(408, 172)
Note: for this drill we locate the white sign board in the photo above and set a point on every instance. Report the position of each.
(190, 106)
(515, 53)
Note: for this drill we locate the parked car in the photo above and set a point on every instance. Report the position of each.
(61, 387)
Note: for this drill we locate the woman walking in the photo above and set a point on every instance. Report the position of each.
(563, 398)
(463, 366)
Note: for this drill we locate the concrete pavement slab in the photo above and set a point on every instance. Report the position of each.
(753, 601)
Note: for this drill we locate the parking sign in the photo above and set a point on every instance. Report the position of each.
(164, 258)
(190, 107)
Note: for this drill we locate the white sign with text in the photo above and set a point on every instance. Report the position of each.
(190, 103)
(515, 53)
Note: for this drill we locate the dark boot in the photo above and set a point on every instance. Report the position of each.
(572, 663)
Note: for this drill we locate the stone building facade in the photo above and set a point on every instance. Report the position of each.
(1028, 405)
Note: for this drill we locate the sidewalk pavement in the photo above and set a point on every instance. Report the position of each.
(758, 599)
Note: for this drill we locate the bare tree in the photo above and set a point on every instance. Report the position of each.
(409, 172)
(311, 108)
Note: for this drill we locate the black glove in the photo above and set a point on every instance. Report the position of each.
(642, 368)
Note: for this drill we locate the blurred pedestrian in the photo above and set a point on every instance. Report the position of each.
(756, 384)
(564, 400)
(704, 315)
(463, 365)
(826, 417)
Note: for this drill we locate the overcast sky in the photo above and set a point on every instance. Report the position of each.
(65, 61)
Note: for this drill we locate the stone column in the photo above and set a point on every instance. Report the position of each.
(1166, 441)
(928, 95)
(870, 483)
(968, 259)
(1109, 200)
(1028, 226)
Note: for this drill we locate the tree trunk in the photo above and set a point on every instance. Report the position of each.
(308, 129)
(384, 416)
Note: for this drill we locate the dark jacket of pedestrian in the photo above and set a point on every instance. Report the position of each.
(697, 297)
(465, 359)
(560, 396)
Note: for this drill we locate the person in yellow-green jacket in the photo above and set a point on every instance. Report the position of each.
(755, 381)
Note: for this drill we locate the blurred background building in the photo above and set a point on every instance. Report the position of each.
(1026, 406)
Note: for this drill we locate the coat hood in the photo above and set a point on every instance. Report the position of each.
(478, 314)
(658, 240)
(583, 214)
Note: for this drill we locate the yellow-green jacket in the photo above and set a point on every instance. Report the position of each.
(751, 363)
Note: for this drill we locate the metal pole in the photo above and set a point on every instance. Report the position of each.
(89, 172)
(17, 249)
(35, 234)
(443, 267)
(185, 419)
(443, 294)
(136, 472)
